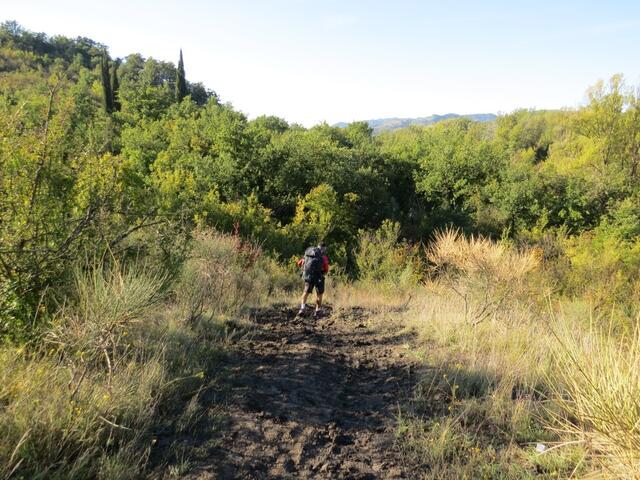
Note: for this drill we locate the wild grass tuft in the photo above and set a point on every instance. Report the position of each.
(596, 394)
(487, 276)
(94, 327)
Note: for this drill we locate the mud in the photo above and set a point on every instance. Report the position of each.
(313, 399)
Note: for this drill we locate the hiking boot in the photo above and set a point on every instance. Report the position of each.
(317, 313)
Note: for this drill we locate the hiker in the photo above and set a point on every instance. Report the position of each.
(315, 265)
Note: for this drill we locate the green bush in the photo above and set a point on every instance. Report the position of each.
(604, 264)
(382, 258)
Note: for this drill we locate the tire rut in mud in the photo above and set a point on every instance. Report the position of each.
(313, 399)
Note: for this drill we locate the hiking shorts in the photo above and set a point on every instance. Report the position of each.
(317, 283)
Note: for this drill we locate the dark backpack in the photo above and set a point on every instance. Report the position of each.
(312, 269)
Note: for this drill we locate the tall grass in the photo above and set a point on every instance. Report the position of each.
(225, 273)
(596, 391)
(127, 355)
(519, 376)
(109, 301)
(478, 409)
(80, 404)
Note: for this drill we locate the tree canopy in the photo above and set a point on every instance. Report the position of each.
(99, 153)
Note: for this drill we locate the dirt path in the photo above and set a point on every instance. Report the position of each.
(313, 399)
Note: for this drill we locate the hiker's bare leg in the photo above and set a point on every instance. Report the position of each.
(303, 300)
(318, 301)
(305, 295)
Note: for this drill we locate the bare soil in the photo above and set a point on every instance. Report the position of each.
(311, 398)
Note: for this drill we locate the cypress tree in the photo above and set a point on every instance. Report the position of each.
(181, 82)
(115, 86)
(106, 84)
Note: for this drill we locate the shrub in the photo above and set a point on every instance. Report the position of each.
(605, 262)
(109, 301)
(382, 258)
(487, 276)
(222, 274)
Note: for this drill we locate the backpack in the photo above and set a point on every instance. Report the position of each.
(312, 267)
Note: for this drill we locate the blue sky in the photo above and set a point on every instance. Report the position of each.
(328, 60)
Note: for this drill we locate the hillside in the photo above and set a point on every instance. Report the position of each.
(380, 125)
(481, 307)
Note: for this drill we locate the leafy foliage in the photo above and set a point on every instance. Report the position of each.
(382, 258)
(166, 155)
(126, 159)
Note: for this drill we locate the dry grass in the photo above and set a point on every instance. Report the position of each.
(596, 392)
(122, 360)
(519, 378)
(479, 410)
(224, 274)
(487, 276)
(496, 385)
(362, 295)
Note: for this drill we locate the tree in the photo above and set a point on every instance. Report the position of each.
(147, 87)
(181, 82)
(115, 86)
(200, 94)
(106, 83)
(457, 162)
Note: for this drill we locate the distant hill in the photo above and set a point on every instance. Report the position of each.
(380, 125)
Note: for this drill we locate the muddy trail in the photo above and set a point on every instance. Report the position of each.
(313, 399)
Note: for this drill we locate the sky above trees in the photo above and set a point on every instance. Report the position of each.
(310, 61)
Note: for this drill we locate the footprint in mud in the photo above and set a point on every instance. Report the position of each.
(317, 399)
